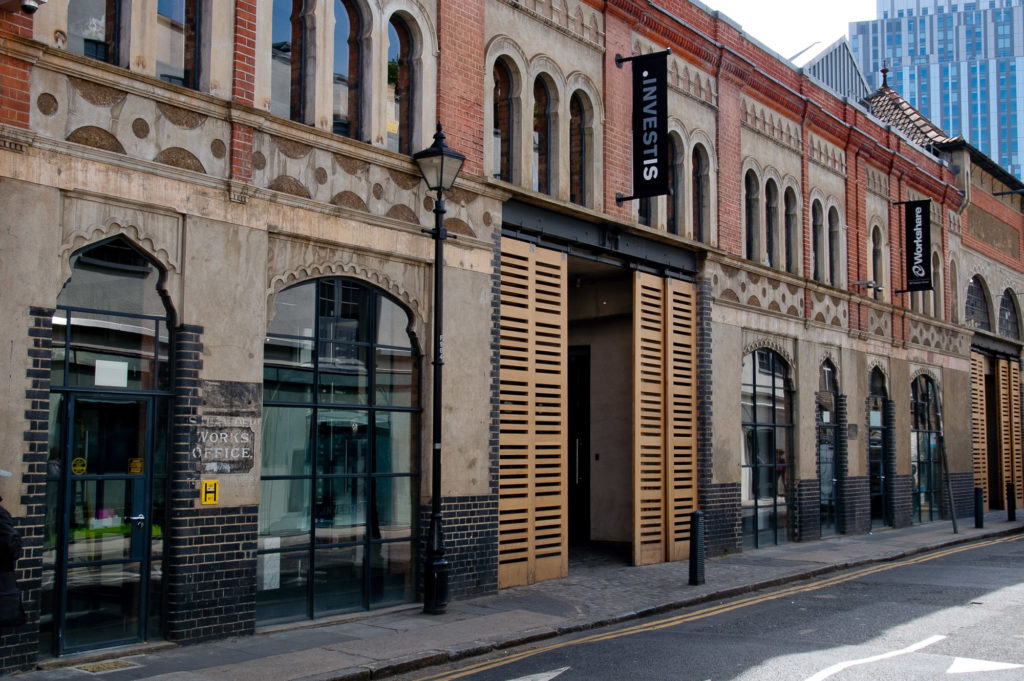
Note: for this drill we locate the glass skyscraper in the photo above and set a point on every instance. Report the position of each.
(961, 64)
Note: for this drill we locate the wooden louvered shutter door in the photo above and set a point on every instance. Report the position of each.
(979, 436)
(1013, 398)
(1005, 406)
(648, 419)
(532, 539)
(681, 410)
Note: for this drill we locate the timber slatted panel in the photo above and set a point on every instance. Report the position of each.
(664, 418)
(1016, 474)
(1005, 426)
(681, 443)
(532, 543)
(648, 419)
(979, 436)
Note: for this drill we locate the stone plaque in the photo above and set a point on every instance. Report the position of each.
(224, 434)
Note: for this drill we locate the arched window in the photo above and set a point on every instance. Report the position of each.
(878, 447)
(110, 413)
(954, 293)
(877, 257)
(503, 120)
(835, 243)
(701, 195)
(771, 222)
(541, 137)
(925, 461)
(767, 466)
(751, 215)
(577, 151)
(827, 432)
(675, 191)
(178, 41)
(400, 86)
(287, 72)
(935, 296)
(976, 308)
(817, 242)
(339, 465)
(792, 234)
(94, 29)
(1008, 324)
(347, 93)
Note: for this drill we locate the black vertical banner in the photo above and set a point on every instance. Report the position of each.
(918, 226)
(650, 125)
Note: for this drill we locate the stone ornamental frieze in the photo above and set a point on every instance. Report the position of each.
(878, 182)
(575, 19)
(765, 121)
(683, 78)
(755, 290)
(827, 155)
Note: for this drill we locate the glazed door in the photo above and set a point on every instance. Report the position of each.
(105, 538)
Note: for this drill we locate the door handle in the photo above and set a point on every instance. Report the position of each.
(139, 520)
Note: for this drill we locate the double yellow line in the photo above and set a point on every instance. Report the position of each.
(711, 611)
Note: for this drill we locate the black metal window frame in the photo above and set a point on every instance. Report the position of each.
(925, 456)
(371, 409)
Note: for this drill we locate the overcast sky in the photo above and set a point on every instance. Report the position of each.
(788, 26)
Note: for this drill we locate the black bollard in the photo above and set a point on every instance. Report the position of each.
(697, 548)
(1011, 503)
(979, 508)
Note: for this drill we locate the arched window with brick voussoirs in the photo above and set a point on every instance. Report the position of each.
(346, 81)
(675, 196)
(976, 308)
(835, 248)
(579, 152)
(818, 265)
(1009, 326)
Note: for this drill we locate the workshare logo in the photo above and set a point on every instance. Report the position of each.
(918, 245)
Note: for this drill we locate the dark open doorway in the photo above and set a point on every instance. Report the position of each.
(579, 444)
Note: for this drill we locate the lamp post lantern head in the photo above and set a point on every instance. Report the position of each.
(439, 164)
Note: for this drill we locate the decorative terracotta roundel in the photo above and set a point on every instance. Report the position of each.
(141, 128)
(218, 148)
(47, 104)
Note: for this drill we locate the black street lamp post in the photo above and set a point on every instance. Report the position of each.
(439, 166)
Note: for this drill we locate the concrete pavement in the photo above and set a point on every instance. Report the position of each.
(600, 590)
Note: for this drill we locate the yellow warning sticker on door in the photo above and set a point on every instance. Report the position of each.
(78, 465)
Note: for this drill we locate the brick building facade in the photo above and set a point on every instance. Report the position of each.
(218, 304)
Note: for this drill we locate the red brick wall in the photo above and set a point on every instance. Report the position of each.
(14, 73)
(618, 117)
(242, 87)
(461, 80)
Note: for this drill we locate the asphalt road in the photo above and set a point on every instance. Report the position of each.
(957, 613)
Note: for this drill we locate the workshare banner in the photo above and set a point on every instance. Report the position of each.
(650, 125)
(919, 245)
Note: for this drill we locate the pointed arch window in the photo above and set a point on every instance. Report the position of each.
(503, 119)
(348, 58)
(339, 467)
(792, 244)
(400, 85)
(1009, 326)
(700, 194)
(877, 257)
(976, 307)
(287, 71)
(541, 137)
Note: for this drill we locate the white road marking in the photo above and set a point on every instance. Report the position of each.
(965, 665)
(543, 676)
(825, 673)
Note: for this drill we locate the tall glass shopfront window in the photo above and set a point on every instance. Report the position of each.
(767, 468)
(339, 465)
(925, 461)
